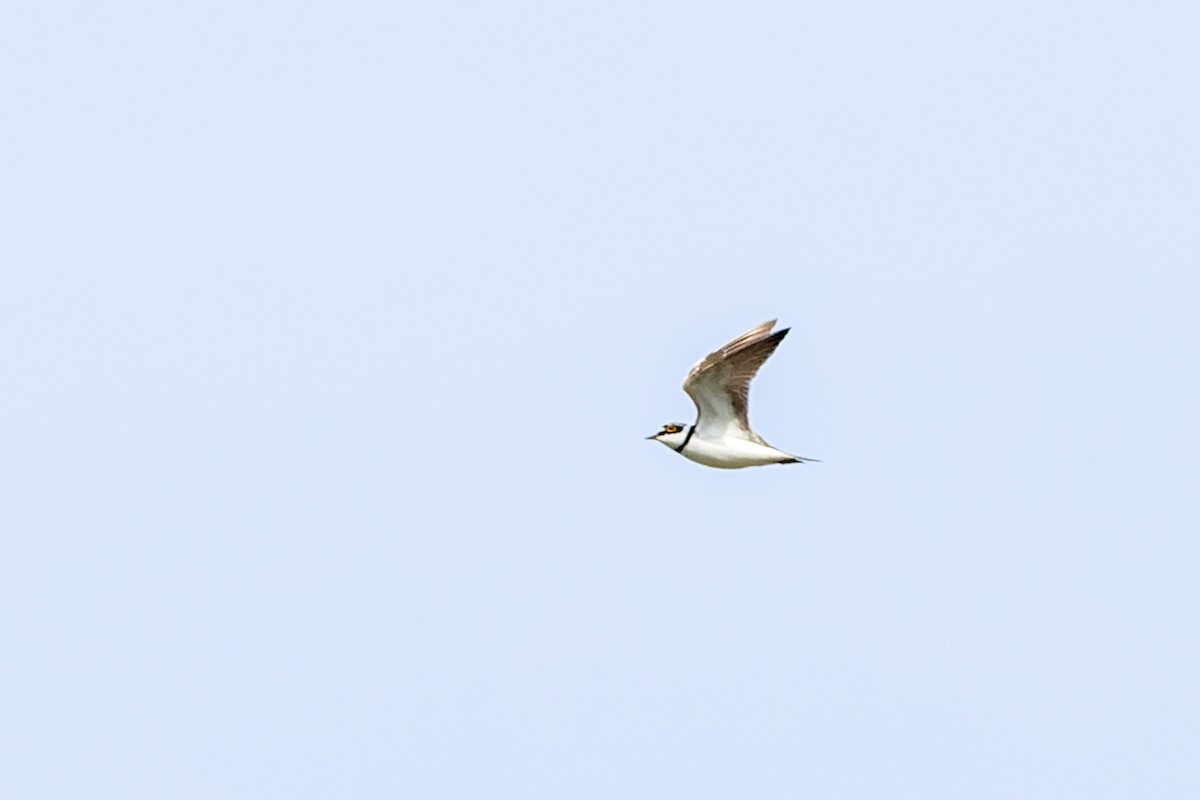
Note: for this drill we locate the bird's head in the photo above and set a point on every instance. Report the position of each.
(672, 434)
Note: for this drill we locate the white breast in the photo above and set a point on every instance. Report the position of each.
(731, 453)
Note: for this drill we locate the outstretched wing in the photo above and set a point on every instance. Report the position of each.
(719, 384)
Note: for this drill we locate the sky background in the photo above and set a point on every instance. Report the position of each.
(330, 334)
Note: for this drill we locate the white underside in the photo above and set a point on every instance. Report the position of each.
(732, 453)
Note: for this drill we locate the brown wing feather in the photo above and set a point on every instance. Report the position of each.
(719, 384)
(741, 368)
(728, 349)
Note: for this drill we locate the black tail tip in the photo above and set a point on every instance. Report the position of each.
(799, 460)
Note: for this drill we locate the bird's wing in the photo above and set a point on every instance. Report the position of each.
(719, 384)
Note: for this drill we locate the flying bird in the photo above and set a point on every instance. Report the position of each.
(719, 385)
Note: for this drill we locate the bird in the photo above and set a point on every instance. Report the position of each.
(719, 385)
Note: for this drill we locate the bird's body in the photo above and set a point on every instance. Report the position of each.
(719, 385)
(733, 453)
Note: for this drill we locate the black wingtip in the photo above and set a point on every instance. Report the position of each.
(799, 460)
(773, 338)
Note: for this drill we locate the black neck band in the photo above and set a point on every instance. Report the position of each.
(686, 439)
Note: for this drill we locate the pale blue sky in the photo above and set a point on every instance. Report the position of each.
(331, 334)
